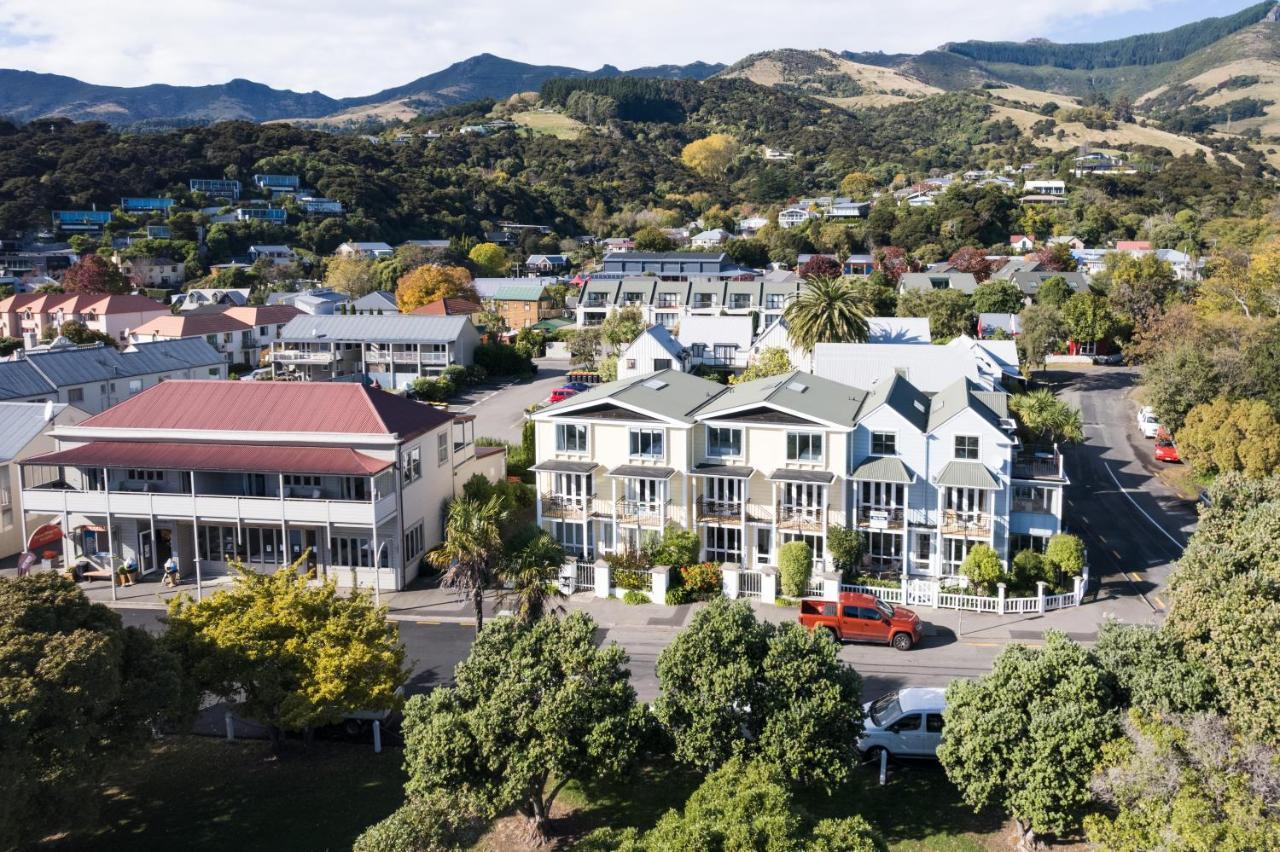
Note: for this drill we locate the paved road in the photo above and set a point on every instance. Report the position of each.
(499, 408)
(1134, 526)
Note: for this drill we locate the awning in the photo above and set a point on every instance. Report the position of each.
(726, 471)
(967, 474)
(788, 475)
(639, 471)
(43, 536)
(556, 466)
(883, 469)
(231, 458)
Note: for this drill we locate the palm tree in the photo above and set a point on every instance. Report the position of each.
(472, 544)
(1045, 418)
(532, 572)
(827, 310)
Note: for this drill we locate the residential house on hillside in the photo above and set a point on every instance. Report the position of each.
(352, 479)
(202, 297)
(1185, 267)
(713, 238)
(448, 308)
(24, 432)
(545, 264)
(794, 217)
(151, 272)
(430, 245)
(376, 302)
(618, 245)
(81, 221)
(95, 377)
(390, 350)
(962, 281)
(276, 255)
(314, 205)
(270, 215)
(751, 225)
(654, 350)
(315, 302)
(216, 187)
(1072, 242)
(750, 467)
(1030, 282)
(146, 205)
(523, 304)
(1056, 188)
(858, 264)
(277, 182)
(357, 249)
(37, 313)
(1021, 242)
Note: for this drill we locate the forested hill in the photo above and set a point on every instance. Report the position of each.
(1146, 49)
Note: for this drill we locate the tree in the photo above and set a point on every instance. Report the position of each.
(752, 253)
(472, 545)
(1044, 418)
(1042, 333)
(533, 708)
(857, 185)
(846, 547)
(652, 239)
(892, 261)
(1056, 257)
(1053, 292)
(1065, 554)
(1026, 737)
(950, 312)
(428, 283)
(353, 276)
(621, 327)
(827, 310)
(94, 275)
(772, 361)
(982, 567)
(1089, 318)
(795, 563)
(1225, 612)
(490, 259)
(584, 347)
(299, 654)
(972, 260)
(1223, 436)
(1151, 672)
(80, 334)
(711, 155)
(79, 693)
(997, 297)
(607, 369)
(1186, 783)
(820, 266)
(1138, 288)
(744, 805)
(532, 572)
(1178, 380)
(732, 685)
(678, 547)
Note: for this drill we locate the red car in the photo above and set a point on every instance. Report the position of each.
(1167, 451)
(862, 618)
(561, 394)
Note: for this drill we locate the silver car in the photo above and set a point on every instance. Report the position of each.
(904, 723)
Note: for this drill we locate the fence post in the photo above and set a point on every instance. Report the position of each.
(661, 576)
(1000, 598)
(830, 585)
(906, 585)
(1040, 584)
(730, 580)
(604, 583)
(377, 737)
(768, 585)
(230, 722)
(1078, 582)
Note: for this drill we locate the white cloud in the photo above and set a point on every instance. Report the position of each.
(344, 48)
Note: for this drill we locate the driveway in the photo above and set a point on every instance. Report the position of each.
(1134, 526)
(499, 407)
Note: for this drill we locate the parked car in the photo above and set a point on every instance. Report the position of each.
(1113, 358)
(561, 394)
(904, 723)
(1148, 424)
(1167, 450)
(860, 617)
(578, 386)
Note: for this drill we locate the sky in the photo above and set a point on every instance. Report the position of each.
(347, 49)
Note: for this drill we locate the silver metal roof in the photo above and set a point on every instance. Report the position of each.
(21, 422)
(883, 469)
(387, 328)
(967, 474)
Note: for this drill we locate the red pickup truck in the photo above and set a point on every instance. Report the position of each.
(862, 618)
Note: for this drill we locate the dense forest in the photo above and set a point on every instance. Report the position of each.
(1146, 49)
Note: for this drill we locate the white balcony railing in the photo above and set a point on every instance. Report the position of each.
(296, 356)
(207, 507)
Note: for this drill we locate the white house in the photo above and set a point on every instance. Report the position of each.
(716, 340)
(371, 249)
(276, 255)
(1057, 188)
(710, 239)
(794, 216)
(654, 350)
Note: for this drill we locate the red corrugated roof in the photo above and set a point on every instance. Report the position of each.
(74, 303)
(190, 325)
(334, 407)
(447, 308)
(263, 314)
(241, 458)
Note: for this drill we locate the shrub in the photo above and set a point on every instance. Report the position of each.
(455, 374)
(678, 547)
(635, 597)
(678, 595)
(846, 548)
(795, 562)
(1028, 567)
(498, 359)
(1065, 554)
(982, 567)
(434, 821)
(701, 580)
(431, 390)
(629, 569)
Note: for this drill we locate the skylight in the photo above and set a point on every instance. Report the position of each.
(655, 384)
(798, 387)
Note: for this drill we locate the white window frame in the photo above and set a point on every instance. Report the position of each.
(719, 546)
(732, 430)
(413, 542)
(412, 465)
(893, 443)
(578, 430)
(442, 449)
(636, 439)
(809, 437)
(977, 448)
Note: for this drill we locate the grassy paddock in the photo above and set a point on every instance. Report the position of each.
(196, 793)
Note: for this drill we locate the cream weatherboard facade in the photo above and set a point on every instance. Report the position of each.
(923, 477)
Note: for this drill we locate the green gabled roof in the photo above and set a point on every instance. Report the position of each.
(552, 324)
(797, 392)
(967, 474)
(903, 397)
(666, 393)
(883, 469)
(954, 398)
(519, 292)
(997, 401)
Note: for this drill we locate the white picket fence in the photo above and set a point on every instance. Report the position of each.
(929, 593)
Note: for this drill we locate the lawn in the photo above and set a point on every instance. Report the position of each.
(195, 793)
(554, 124)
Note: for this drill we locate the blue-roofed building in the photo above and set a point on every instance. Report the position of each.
(80, 220)
(146, 205)
(274, 215)
(217, 187)
(159, 232)
(321, 206)
(277, 182)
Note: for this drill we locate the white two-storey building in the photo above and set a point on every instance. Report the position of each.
(259, 473)
(924, 477)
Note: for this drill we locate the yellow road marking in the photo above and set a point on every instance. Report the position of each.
(1134, 577)
(1159, 601)
(983, 644)
(426, 622)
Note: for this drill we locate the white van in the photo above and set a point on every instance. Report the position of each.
(904, 723)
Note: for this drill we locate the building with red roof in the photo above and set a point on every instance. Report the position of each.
(349, 480)
(240, 334)
(114, 315)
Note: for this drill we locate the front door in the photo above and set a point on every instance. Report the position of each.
(146, 555)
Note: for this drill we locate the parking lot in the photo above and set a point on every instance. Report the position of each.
(499, 406)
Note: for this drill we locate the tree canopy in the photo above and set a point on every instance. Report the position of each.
(827, 310)
(428, 283)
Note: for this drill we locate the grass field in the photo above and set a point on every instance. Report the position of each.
(196, 793)
(554, 124)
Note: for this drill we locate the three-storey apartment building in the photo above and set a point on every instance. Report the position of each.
(924, 477)
(259, 473)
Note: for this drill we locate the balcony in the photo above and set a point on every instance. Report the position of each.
(298, 356)
(374, 356)
(1039, 464)
(719, 511)
(563, 505)
(643, 512)
(968, 524)
(801, 517)
(881, 517)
